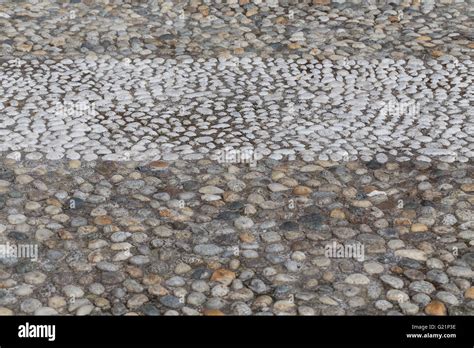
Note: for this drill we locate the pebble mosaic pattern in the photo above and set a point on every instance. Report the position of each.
(280, 108)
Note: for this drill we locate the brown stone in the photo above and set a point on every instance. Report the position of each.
(95, 256)
(151, 279)
(469, 293)
(5, 311)
(54, 202)
(252, 11)
(165, 213)
(24, 47)
(396, 269)
(214, 265)
(239, 50)
(229, 196)
(157, 290)
(369, 188)
(321, 2)
(103, 220)
(437, 53)
(58, 41)
(223, 276)
(212, 312)
(204, 10)
(107, 168)
(338, 214)
(435, 308)
(423, 38)
(102, 302)
(394, 19)
(314, 51)
(409, 214)
(294, 46)
(158, 165)
(281, 20)
(387, 205)
(65, 235)
(401, 222)
(467, 187)
(247, 237)
(74, 164)
(134, 271)
(419, 227)
(302, 191)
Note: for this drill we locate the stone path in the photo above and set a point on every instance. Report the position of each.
(146, 109)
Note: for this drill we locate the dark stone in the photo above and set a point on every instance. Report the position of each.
(414, 274)
(388, 258)
(410, 204)
(469, 259)
(275, 259)
(119, 309)
(158, 267)
(171, 302)
(63, 278)
(150, 310)
(110, 278)
(437, 276)
(166, 37)
(409, 263)
(6, 174)
(235, 206)
(190, 185)
(37, 195)
(226, 240)
(227, 215)
(282, 292)
(373, 164)
(54, 255)
(276, 46)
(143, 169)
(119, 293)
(107, 168)
(459, 310)
(289, 226)
(178, 225)
(18, 236)
(388, 233)
(15, 194)
(25, 266)
(417, 237)
(311, 221)
(300, 245)
(201, 273)
(46, 290)
(372, 242)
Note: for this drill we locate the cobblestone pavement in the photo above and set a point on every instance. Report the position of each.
(238, 157)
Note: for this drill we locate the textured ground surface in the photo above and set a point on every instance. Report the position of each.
(196, 158)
